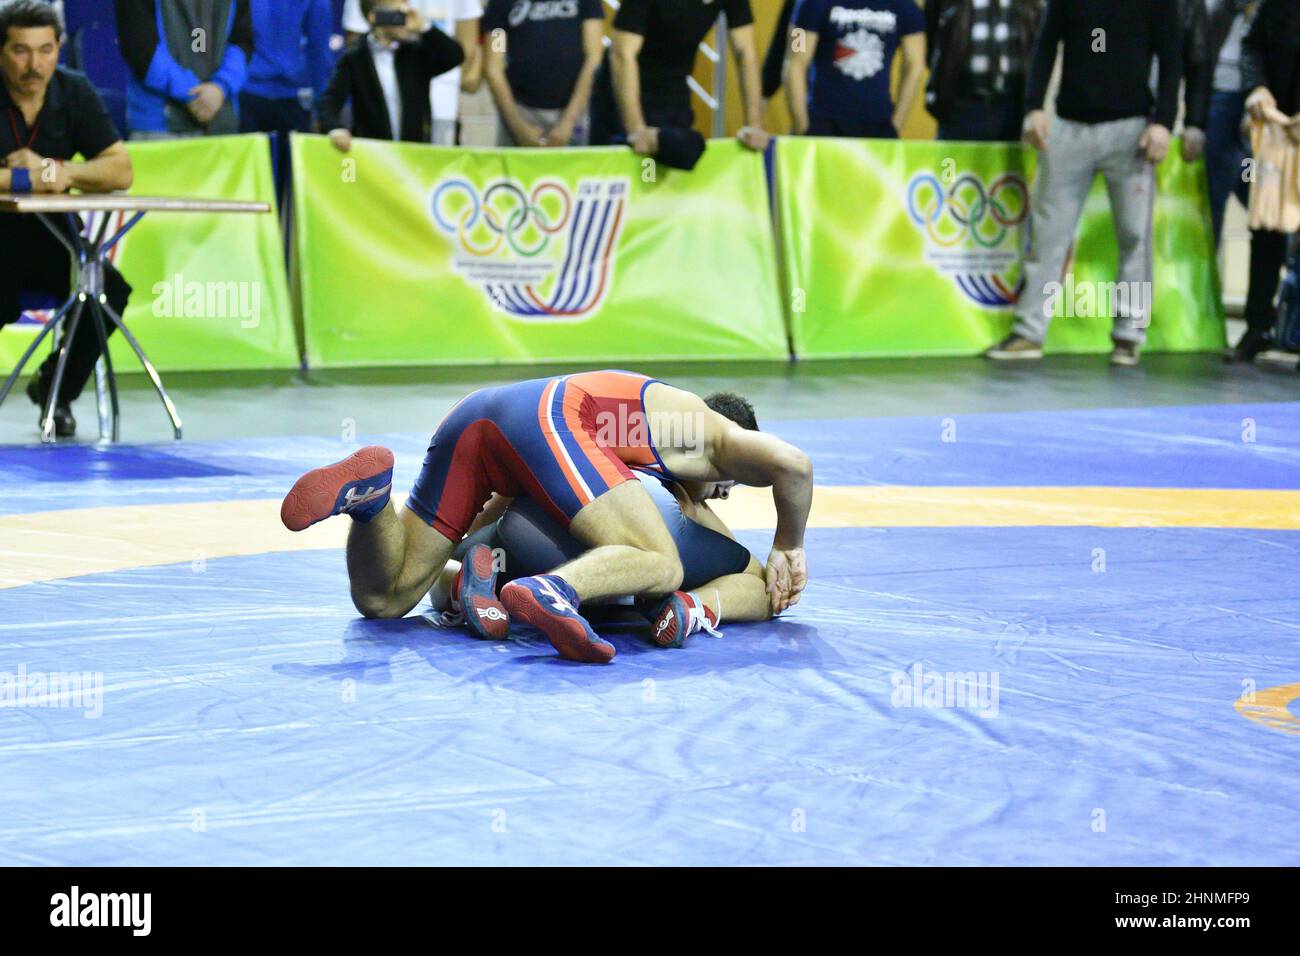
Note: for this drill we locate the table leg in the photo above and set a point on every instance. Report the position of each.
(89, 258)
(104, 373)
(148, 367)
(101, 398)
(91, 283)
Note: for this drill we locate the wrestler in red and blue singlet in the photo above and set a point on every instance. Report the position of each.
(537, 438)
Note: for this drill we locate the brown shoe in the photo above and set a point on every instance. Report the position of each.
(1125, 353)
(1014, 347)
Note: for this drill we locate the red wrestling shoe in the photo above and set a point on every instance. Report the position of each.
(549, 604)
(476, 595)
(678, 616)
(359, 486)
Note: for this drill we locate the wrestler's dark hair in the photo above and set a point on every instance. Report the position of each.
(733, 406)
(27, 14)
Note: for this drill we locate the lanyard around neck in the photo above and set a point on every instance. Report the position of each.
(32, 132)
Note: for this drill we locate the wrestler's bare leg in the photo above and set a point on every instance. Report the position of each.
(737, 597)
(631, 549)
(393, 560)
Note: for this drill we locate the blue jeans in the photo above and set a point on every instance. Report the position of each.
(1225, 149)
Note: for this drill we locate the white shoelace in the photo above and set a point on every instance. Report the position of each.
(699, 621)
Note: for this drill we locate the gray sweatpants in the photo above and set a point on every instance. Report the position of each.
(1075, 153)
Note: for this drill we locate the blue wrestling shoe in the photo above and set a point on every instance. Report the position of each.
(678, 616)
(359, 486)
(476, 595)
(549, 604)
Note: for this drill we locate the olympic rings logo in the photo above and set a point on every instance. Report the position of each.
(504, 214)
(970, 206)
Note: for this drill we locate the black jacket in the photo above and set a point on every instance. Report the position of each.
(1270, 53)
(1198, 70)
(1100, 89)
(947, 41)
(137, 33)
(355, 79)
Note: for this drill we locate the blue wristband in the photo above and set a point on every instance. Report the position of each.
(20, 180)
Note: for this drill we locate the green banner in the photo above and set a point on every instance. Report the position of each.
(905, 248)
(209, 290)
(416, 255)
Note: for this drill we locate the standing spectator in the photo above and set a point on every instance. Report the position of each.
(455, 18)
(188, 60)
(291, 62)
(52, 114)
(1270, 67)
(402, 60)
(540, 61)
(641, 87)
(979, 54)
(1104, 124)
(1225, 144)
(850, 45)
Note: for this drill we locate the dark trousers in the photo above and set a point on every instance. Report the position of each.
(1267, 256)
(257, 114)
(981, 121)
(40, 264)
(826, 126)
(606, 124)
(1225, 149)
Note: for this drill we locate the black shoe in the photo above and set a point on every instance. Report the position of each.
(1251, 343)
(65, 426)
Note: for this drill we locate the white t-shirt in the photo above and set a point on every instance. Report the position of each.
(444, 91)
(386, 69)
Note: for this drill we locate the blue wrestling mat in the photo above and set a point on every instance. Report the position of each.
(963, 683)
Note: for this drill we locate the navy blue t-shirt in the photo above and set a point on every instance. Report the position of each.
(543, 46)
(856, 42)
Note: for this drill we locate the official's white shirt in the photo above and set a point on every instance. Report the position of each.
(444, 91)
(386, 66)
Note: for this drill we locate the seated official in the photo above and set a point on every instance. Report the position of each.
(403, 60)
(48, 115)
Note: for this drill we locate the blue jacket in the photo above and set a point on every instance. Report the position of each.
(156, 77)
(282, 62)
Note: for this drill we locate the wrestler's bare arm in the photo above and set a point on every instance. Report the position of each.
(763, 460)
(755, 458)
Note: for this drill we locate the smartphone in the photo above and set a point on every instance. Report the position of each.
(390, 17)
